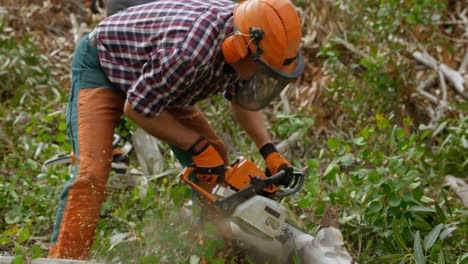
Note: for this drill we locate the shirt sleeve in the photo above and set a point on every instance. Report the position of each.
(165, 76)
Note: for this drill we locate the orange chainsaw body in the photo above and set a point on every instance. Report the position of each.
(241, 172)
(237, 177)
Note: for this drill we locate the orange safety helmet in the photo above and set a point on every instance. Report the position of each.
(270, 31)
(276, 22)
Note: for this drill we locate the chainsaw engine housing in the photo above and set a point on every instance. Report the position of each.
(260, 215)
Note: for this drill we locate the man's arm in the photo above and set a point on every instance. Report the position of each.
(253, 122)
(164, 126)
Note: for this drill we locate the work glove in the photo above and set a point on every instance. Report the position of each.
(275, 162)
(210, 166)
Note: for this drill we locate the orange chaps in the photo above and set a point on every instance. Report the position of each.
(98, 113)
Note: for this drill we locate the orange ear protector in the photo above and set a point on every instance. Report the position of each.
(235, 47)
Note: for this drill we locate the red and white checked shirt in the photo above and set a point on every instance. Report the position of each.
(167, 53)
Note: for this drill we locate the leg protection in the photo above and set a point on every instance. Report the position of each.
(98, 113)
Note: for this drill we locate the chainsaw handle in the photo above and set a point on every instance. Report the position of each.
(186, 178)
(296, 182)
(274, 179)
(294, 187)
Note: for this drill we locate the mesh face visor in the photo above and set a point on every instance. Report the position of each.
(266, 84)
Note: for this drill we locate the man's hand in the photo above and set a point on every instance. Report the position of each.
(275, 162)
(209, 164)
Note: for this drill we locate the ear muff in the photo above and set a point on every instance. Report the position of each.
(234, 48)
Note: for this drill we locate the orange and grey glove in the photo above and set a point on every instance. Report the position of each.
(210, 166)
(275, 162)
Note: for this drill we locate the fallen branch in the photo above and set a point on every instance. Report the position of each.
(436, 115)
(459, 186)
(454, 22)
(285, 101)
(464, 63)
(75, 28)
(424, 85)
(353, 48)
(452, 75)
(285, 145)
(443, 85)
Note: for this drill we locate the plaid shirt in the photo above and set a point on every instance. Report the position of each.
(167, 53)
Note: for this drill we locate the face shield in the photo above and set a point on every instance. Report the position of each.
(266, 84)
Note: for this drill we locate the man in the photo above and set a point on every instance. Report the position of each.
(153, 62)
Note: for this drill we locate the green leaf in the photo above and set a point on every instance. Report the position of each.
(463, 259)
(408, 196)
(422, 127)
(304, 203)
(366, 132)
(425, 134)
(32, 164)
(401, 133)
(463, 106)
(313, 164)
(62, 126)
(332, 143)
(439, 129)
(18, 259)
(366, 63)
(418, 208)
(426, 199)
(4, 240)
(61, 138)
(394, 212)
(431, 238)
(359, 141)
(440, 213)
(418, 251)
(414, 185)
(331, 171)
(392, 257)
(394, 200)
(373, 176)
(447, 204)
(35, 252)
(345, 160)
(397, 235)
(313, 185)
(441, 258)
(382, 122)
(23, 235)
(407, 122)
(375, 206)
(321, 153)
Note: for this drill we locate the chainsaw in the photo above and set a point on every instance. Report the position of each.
(250, 200)
(259, 221)
(249, 197)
